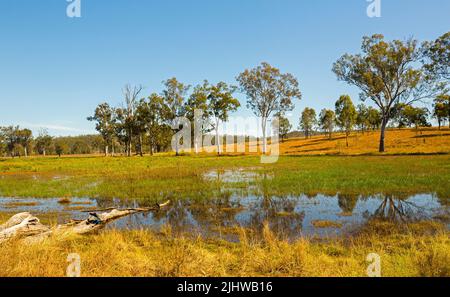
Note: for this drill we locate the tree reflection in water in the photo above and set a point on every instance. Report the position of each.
(347, 202)
(396, 208)
(287, 216)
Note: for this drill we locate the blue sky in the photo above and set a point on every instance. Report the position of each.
(54, 70)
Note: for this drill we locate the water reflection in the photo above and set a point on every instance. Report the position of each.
(399, 210)
(289, 217)
(347, 202)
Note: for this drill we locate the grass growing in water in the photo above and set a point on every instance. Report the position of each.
(164, 176)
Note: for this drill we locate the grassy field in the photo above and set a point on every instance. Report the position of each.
(420, 249)
(417, 162)
(164, 177)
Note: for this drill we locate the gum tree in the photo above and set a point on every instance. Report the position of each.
(268, 91)
(346, 115)
(104, 118)
(308, 121)
(43, 142)
(437, 57)
(362, 120)
(220, 103)
(174, 96)
(150, 114)
(285, 126)
(373, 118)
(327, 119)
(386, 73)
(443, 100)
(197, 112)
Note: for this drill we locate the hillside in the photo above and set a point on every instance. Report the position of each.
(398, 141)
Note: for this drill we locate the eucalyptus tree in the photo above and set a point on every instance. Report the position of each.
(373, 118)
(43, 142)
(24, 138)
(174, 96)
(221, 103)
(327, 120)
(9, 135)
(440, 113)
(285, 126)
(197, 112)
(61, 147)
(151, 114)
(268, 91)
(437, 57)
(345, 115)
(386, 73)
(104, 117)
(307, 121)
(131, 94)
(415, 116)
(444, 101)
(362, 118)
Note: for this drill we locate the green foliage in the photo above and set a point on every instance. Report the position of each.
(373, 118)
(387, 74)
(437, 57)
(104, 118)
(442, 108)
(151, 115)
(307, 121)
(362, 119)
(327, 119)
(44, 142)
(284, 126)
(268, 91)
(408, 116)
(15, 141)
(346, 114)
(61, 147)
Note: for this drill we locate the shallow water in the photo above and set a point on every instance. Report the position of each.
(289, 217)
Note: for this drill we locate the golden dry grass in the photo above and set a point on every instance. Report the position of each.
(422, 250)
(398, 141)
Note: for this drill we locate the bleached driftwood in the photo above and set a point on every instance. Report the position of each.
(25, 226)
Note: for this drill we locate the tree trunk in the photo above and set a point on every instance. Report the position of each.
(196, 146)
(26, 152)
(177, 152)
(106, 150)
(264, 124)
(382, 135)
(218, 142)
(140, 145)
(346, 138)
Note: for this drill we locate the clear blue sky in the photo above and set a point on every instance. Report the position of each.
(54, 70)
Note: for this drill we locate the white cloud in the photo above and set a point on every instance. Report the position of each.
(57, 128)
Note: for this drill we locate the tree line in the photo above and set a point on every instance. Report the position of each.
(348, 118)
(391, 75)
(17, 142)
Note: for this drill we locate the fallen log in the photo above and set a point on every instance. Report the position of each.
(25, 226)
